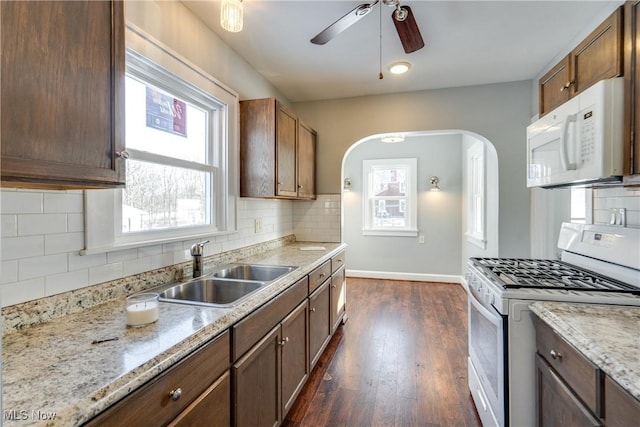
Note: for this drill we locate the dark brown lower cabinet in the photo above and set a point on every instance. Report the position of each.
(319, 317)
(621, 409)
(338, 298)
(210, 409)
(557, 405)
(256, 383)
(295, 355)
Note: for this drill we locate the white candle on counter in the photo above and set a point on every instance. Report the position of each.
(142, 309)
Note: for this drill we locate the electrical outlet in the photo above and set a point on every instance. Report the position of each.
(257, 225)
(421, 239)
(618, 216)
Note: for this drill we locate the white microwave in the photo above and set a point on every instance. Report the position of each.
(581, 141)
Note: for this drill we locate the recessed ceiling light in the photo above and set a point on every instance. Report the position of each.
(399, 67)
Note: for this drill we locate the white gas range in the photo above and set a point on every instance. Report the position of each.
(599, 264)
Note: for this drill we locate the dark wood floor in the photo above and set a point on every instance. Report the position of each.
(400, 360)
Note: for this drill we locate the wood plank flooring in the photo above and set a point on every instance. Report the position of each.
(400, 360)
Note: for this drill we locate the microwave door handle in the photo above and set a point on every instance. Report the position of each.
(564, 157)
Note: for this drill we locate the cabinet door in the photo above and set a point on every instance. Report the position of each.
(62, 93)
(295, 355)
(256, 380)
(632, 83)
(286, 131)
(212, 408)
(338, 298)
(319, 328)
(554, 86)
(306, 162)
(620, 408)
(556, 403)
(599, 56)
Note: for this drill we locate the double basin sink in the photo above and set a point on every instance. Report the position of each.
(225, 287)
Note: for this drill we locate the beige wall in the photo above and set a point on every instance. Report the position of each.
(174, 25)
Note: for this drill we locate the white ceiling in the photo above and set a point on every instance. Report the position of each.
(467, 43)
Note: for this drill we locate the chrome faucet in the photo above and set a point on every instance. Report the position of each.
(196, 252)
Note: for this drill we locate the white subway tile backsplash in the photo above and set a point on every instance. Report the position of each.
(8, 225)
(122, 255)
(21, 202)
(64, 202)
(17, 292)
(620, 197)
(43, 234)
(104, 273)
(29, 268)
(75, 222)
(79, 262)
(33, 224)
(65, 282)
(21, 247)
(63, 243)
(8, 271)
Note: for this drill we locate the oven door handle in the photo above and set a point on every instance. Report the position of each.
(491, 315)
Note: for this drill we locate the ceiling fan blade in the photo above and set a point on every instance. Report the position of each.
(343, 23)
(408, 31)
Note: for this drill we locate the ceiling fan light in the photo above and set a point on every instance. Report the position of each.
(392, 138)
(399, 67)
(231, 15)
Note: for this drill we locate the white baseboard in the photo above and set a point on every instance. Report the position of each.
(416, 277)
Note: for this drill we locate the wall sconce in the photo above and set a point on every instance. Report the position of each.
(231, 15)
(347, 184)
(434, 180)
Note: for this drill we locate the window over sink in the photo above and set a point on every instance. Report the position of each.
(181, 148)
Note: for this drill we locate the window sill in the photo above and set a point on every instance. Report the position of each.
(391, 233)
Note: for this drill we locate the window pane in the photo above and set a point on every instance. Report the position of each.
(578, 205)
(390, 182)
(389, 213)
(160, 123)
(159, 197)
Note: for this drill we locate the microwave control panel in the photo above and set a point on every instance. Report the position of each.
(587, 136)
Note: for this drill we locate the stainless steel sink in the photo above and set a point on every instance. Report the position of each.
(254, 272)
(209, 291)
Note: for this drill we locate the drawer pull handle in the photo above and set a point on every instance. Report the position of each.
(321, 275)
(334, 286)
(313, 310)
(555, 355)
(284, 341)
(339, 260)
(175, 394)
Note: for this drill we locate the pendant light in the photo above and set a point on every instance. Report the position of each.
(231, 15)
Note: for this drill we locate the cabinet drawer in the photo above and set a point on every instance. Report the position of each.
(556, 403)
(620, 408)
(572, 366)
(338, 261)
(319, 275)
(151, 405)
(255, 326)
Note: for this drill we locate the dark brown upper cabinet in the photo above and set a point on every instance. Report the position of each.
(62, 98)
(277, 152)
(597, 57)
(632, 88)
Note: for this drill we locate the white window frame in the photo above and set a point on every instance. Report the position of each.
(411, 206)
(476, 195)
(103, 208)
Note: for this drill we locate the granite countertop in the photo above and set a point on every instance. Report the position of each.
(53, 369)
(608, 335)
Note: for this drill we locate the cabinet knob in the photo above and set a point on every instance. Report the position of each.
(300, 186)
(123, 154)
(334, 286)
(313, 310)
(555, 355)
(284, 341)
(175, 394)
(322, 275)
(279, 183)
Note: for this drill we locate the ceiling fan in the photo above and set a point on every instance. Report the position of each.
(402, 17)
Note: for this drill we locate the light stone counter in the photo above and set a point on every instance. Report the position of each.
(54, 370)
(608, 335)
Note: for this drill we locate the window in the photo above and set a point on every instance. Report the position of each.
(180, 127)
(476, 195)
(390, 199)
(581, 205)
